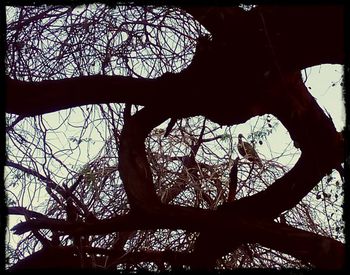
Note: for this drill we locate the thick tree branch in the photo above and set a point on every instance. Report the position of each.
(33, 98)
(292, 33)
(321, 251)
(18, 210)
(229, 63)
(322, 149)
(133, 164)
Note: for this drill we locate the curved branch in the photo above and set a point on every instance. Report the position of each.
(323, 252)
(134, 167)
(49, 183)
(33, 98)
(322, 149)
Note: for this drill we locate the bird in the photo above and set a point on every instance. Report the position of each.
(248, 151)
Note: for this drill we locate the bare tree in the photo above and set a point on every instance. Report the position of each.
(165, 194)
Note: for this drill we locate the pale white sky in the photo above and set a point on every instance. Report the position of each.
(324, 84)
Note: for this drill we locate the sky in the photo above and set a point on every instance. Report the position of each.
(324, 83)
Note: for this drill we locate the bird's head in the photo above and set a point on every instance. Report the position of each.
(240, 136)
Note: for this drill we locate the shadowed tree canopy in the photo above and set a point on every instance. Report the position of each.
(239, 64)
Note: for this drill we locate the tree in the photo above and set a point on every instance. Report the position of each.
(160, 197)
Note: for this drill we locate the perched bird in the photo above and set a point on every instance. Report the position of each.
(248, 151)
